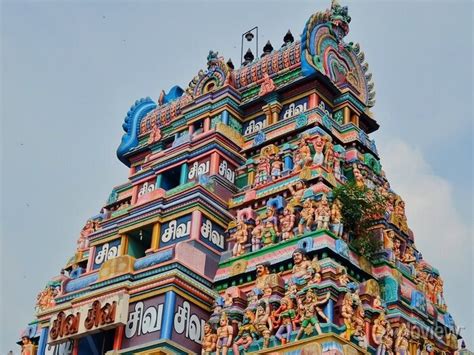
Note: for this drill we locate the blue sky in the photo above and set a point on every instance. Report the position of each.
(71, 70)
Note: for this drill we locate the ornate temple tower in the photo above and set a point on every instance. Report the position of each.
(255, 218)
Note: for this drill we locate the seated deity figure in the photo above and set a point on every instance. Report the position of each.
(322, 214)
(409, 256)
(302, 270)
(306, 216)
(209, 341)
(240, 236)
(270, 227)
(309, 313)
(257, 234)
(225, 334)
(318, 143)
(303, 157)
(247, 333)
(287, 223)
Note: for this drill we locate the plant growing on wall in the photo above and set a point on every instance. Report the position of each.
(361, 207)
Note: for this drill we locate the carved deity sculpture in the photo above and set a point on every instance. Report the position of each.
(322, 214)
(270, 227)
(45, 298)
(285, 318)
(359, 326)
(316, 270)
(27, 347)
(83, 240)
(263, 170)
(257, 233)
(209, 341)
(387, 339)
(409, 256)
(378, 332)
(297, 192)
(319, 143)
(306, 216)
(240, 236)
(342, 276)
(263, 322)
(287, 223)
(388, 238)
(247, 332)
(329, 156)
(303, 156)
(277, 167)
(396, 249)
(155, 134)
(309, 313)
(347, 313)
(262, 274)
(359, 178)
(398, 216)
(401, 340)
(336, 218)
(302, 270)
(225, 334)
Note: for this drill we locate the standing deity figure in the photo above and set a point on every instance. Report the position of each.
(336, 218)
(225, 334)
(302, 270)
(287, 223)
(209, 341)
(439, 292)
(307, 216)
(338, 157)
(329, 156)
(286, 315)
(388, 237)
(302, 157)
(316, 270)
(83, 240)
(323, 214)
(277, 167)
(247, 333)
(396, 249)
(347, 312)
(263, 170)
(387, 339)
(263, 323)
(401, 340)
(309, 313)
(359, 326)
(359, 178)
(318, 143)
(257, 234)
(240, 236)
(378, 332)
(297, 192)
(270, 227)
(27, 347)
(409, 255)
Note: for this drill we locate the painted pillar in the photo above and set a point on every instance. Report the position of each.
(155, 236)
(118, 337)
(183, 177)
(134, 194)
(225, 117)
(355, 119)
(214, 164)
(251, 174)
(123, 245)
(288, 161)
(43, 342)
(90, 260)
(207, 124)
(159, 178)
(168, 315)
(347, 114)
(196, 219)
(313, 100)
(268, 115)
(75, 348)
(329, 310)
(191, 130)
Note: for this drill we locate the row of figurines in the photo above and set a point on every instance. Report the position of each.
(270, 166)
(297, 218)
(298, 314)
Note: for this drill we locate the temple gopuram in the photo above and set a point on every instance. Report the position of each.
(256, 218)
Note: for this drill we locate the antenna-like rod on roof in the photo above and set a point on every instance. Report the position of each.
(249, 36)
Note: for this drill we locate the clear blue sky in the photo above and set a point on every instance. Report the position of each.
(71, 70)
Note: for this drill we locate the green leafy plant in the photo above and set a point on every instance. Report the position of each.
(360, 208)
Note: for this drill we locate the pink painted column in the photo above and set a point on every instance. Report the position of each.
(118, 337)
(313, 100)
(207, 124)
(134, 194)
(214, 164)
(196, 219)
(90, 261)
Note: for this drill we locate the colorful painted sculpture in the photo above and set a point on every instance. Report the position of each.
(257, 234)
(323, 214)
(285, 322)
(401, 340)
(270, 227)
(247, 333)
(240, 237)
(307, 216)
(310, 312)
(225, 334)
(287, 223)
(209, 342)
(302, 270)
